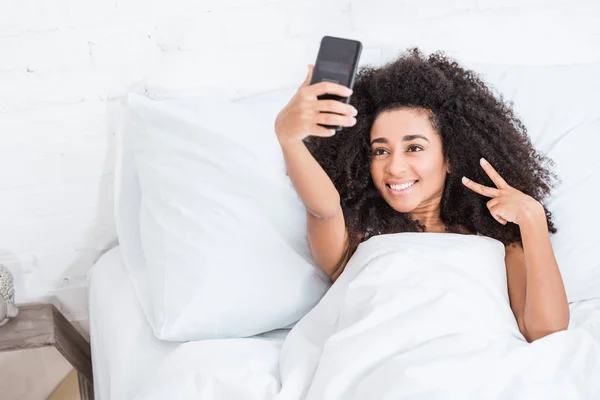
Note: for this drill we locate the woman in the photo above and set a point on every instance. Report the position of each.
(426, 147)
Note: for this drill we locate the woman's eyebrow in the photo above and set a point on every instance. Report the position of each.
(406, 138)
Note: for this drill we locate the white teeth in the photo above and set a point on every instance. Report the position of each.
(403, 186)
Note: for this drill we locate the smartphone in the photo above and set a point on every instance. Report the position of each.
(337, 61)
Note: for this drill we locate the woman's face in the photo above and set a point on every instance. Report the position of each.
(405, 149)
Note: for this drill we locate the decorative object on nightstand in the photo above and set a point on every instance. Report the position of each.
(41, 325)
(8, 309)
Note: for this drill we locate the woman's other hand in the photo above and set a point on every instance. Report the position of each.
(507, 204)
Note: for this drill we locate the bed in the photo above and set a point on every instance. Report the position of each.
(129, 362)
(304, 362)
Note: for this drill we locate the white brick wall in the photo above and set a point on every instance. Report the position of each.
(65, 64)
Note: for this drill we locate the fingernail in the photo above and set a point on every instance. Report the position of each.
(483, 161)
(349, 91)
(465, 179)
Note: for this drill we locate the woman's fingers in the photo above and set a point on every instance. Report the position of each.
(479, 188)
(500, 219)
(322, 88)
(337, 107)
(323, 132)
(334, 119)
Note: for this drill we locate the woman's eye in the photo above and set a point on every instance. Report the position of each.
(378, 152)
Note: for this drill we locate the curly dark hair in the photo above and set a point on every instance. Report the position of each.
(472, 122)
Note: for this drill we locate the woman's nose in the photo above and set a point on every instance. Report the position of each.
(396, 166)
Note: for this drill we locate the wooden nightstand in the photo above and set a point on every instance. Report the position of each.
(40, 325)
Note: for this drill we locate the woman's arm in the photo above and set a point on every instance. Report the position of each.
(325, 225)
(536, 290)
(300, 118)
(315, 188)
(535, 287)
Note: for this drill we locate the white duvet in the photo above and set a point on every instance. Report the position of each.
(413, 316)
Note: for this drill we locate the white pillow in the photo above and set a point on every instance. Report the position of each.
(220, 248)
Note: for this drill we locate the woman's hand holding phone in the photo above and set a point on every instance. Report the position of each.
(301, 116)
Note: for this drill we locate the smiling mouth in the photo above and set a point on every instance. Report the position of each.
(397, 190)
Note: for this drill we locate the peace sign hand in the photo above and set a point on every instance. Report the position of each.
(507, 204)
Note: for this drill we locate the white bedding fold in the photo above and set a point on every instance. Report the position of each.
(427, 315)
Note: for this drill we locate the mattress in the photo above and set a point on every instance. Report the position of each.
(127, 357)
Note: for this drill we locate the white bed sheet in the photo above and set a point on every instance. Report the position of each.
(126, 355)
